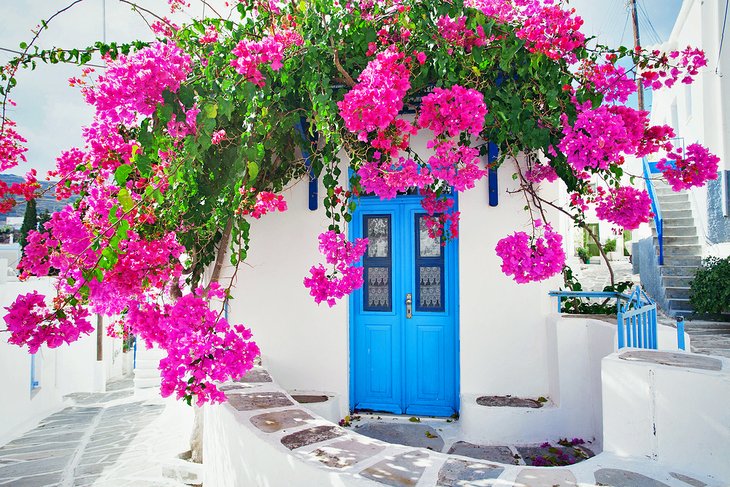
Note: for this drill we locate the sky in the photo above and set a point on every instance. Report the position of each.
(50, 114)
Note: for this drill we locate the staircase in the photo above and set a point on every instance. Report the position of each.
(146, 371)
(682, 249)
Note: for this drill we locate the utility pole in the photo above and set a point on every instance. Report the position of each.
(637, 43)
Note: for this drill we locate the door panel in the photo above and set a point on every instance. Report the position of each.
(402, 364)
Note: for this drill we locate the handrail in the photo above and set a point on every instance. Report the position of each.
(658, 219)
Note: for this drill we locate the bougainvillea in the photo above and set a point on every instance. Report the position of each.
(196, 133)
(532, 259)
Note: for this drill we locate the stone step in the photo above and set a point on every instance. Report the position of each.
(678, 240)
(707, 327)
(146, 373)
(679, 304)
(153, 364)
(675, 249)
(682, 260)
(677, 231)
(674, 214)
(677, 292)
(666, 198)
(673, 206)
(678, 222)
(677, 281)
(146, 383)
(678, 270)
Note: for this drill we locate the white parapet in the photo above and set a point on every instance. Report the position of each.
(668, 407)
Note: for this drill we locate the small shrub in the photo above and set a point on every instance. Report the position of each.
(610, 245)
(710, 289)
(583, 254)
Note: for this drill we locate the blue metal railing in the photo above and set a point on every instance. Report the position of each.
(636, 315)
(658, 220)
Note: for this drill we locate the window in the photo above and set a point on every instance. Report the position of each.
(35, 371)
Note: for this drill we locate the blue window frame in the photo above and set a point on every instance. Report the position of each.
(429, 261)
(35, 373)
(378, 263)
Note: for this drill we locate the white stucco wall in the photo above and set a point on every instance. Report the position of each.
(698, 112)
(306, 346)
(61, 371)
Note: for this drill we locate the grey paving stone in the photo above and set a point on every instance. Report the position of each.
(270, 422)
(35, 467)
(624, 478)
(7, 450)
(258, 400)
(411, 434)
(346, 453)
(402, 470)
(34, 454)
(73, 436)
(673, 359)
(544, 477)
(256, 374)
(460, 472)
(508, 402)
(499, 454)
(46, 480)
(688, 480)
(310, 436)
(564, 455)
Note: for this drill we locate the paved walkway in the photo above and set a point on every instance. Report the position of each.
(112, 439)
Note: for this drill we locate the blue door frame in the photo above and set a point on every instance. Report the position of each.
(397, 364)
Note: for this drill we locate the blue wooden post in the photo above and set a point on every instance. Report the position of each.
(680, 334)
(303, 129)
(493, 180)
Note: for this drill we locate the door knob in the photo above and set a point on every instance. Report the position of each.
(409, 306)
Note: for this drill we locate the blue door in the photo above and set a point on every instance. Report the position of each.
(404, 319)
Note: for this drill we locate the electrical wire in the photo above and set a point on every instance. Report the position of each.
(722, 37)
(652, 30)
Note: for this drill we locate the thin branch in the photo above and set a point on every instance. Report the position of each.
(347, 78)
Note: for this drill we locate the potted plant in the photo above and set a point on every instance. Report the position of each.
(583, 254)
(610, 248)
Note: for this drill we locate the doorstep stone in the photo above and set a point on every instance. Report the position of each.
(673, 359)
(402, 470)
(616, 477)
(499, 454)
(271, 422)
(258, 400)
(554, 477)
(461, 472)
(411, 434)
(310, 436)
(508, 402)
(346, 453)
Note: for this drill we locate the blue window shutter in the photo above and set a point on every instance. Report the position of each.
(303, 129)
(493, 181)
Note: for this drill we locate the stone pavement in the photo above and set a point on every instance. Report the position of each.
(112, 439)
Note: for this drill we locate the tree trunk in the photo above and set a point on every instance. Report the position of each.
(196, 437)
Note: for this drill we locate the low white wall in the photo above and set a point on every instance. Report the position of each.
(676, 416)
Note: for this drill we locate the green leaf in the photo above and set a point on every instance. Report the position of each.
(210, 110)
(121, 174)
(253, 170)
(125, 199)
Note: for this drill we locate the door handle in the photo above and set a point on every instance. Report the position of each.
(409, 306)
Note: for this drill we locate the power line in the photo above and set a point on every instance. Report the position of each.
(722, 36)
(647, 19)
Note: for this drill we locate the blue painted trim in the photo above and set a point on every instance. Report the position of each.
(303, 129)
(427, 262)
(680, 334)
(493, 179)
(355, 228)
(34, 382)
(658, 219)
(387, 262)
